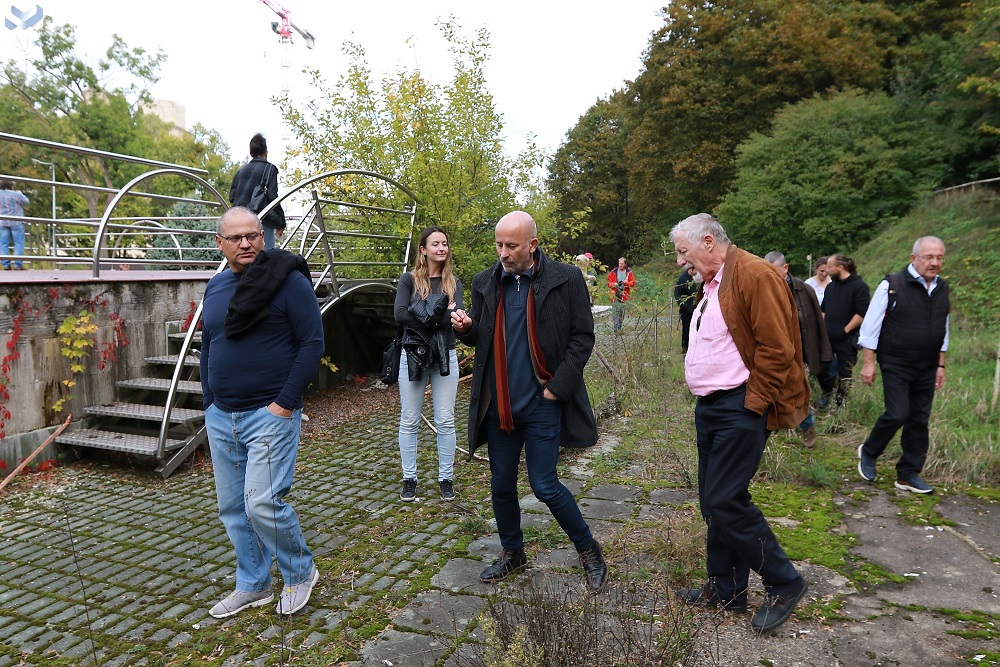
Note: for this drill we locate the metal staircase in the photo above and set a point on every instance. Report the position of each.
(356, 252)
(133, 426)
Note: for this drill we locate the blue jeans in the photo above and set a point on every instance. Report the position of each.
(539, 435)
(617, 314)
(13, 233)
(444, 388)
(269, 238)
(253, 457)
(731, 443)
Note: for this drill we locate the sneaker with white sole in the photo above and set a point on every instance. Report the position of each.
(237, 601)
(914, 485)
(295, 597)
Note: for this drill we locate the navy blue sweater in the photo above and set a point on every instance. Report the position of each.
(275, 361)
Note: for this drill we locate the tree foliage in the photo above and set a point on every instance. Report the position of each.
(588, 177)
(833, 172)
(59, 96)
(719, 71)
(441, 141)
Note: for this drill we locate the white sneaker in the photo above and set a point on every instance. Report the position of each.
(237, 601)
(295, 597)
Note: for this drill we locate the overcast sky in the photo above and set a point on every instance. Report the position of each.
(550, 59)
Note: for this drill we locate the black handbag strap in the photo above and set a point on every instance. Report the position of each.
(263, 176)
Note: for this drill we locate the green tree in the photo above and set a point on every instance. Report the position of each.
(832, 174)
(441, 141)
(57, 95)
(192, 246)
(717, 71)
(588, 177)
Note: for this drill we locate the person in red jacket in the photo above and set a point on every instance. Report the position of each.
(620, 283)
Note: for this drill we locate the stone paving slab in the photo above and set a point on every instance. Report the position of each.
(943, 570)
(439, 613)
(143, 559)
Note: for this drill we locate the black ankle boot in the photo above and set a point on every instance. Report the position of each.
(507, 562)
(594, 567)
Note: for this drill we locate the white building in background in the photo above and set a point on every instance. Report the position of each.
(171, 113)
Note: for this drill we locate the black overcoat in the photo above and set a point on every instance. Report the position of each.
(565, 326)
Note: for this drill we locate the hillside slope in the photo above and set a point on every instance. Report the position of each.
(969, 225)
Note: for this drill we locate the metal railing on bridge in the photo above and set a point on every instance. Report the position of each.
(355, 232)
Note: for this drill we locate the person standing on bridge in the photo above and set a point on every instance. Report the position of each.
(12, 203)
(262, 341)
(425, 299)
(533, 334)
(259, 172)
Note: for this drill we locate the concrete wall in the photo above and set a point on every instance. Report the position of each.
(146, 301)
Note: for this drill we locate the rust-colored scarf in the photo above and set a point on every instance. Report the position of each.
(500, 355)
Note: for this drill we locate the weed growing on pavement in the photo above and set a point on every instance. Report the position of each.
(530, 623)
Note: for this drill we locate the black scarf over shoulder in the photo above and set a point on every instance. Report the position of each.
(261, 281)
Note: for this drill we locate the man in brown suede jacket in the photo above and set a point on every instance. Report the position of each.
(744, 363)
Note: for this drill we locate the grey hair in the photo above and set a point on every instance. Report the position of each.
(240, 209)
(925, 239)
(695, 227)
(775, 257)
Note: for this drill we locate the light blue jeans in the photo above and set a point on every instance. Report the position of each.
(13, 233)
(444, 388)
(253, 457)
(269, 238)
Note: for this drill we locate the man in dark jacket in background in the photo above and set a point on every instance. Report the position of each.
(252, 174)
(907, 327)
(815, 342)
(686, 294)
(533, 332)
(844, 307)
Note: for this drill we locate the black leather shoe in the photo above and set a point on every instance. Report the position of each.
(706, 596)
(594, 567)
(506, 562)
(777, 609)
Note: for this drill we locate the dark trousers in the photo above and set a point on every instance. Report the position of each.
(538, 434)
(908, 390)
(731, 443)
(685, 329)
(846, 353)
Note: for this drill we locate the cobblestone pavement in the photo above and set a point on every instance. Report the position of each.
(122, 567)
(103, 565)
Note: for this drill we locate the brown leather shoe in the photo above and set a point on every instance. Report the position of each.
(809, 437)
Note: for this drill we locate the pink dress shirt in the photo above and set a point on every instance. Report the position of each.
(713, 363)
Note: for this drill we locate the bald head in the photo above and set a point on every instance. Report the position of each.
(516, 238)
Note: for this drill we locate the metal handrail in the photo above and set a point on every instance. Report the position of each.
(327, 275)
(94, 152)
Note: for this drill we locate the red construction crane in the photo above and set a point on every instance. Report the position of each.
(284, 29)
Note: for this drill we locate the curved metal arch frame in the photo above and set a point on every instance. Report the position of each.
(173, 237)
(196, 317)
(113, 204)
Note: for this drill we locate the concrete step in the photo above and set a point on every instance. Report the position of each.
(161, 384)
(181, 335)
(171, 360)
(119, 442)
(152, 413)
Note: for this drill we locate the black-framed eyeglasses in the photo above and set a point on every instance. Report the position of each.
(237, 239)
(701, 311)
